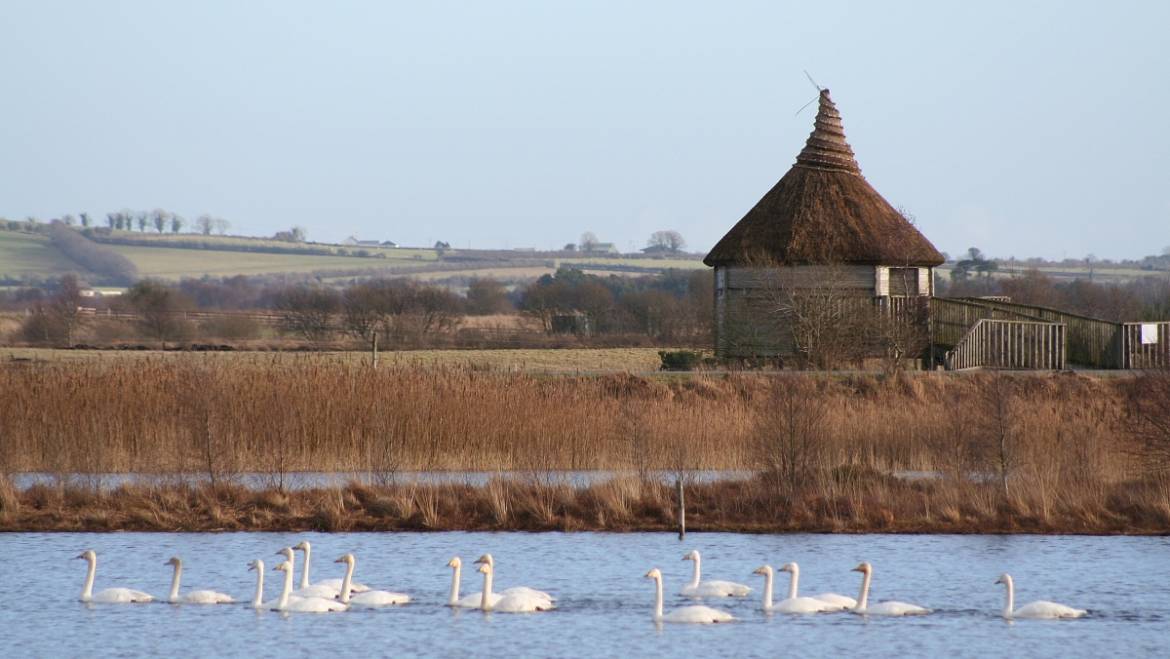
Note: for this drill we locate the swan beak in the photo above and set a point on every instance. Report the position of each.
(340, 560)
(482, 560)
(82, 555)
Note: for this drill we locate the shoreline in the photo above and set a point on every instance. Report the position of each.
(619, 506)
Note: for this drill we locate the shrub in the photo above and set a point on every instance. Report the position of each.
(680, 360)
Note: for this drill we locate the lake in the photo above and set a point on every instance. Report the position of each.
(604, 603)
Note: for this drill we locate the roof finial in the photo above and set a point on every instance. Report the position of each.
(826, 147)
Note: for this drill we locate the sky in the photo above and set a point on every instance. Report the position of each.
(1022, 128)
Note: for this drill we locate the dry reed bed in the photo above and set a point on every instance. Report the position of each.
(1034, 453)
(626, 504)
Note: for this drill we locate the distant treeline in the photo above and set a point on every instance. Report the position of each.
(1147, 298)
(111, 266)
(648, 310)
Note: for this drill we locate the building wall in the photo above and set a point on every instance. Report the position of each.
(748, 301)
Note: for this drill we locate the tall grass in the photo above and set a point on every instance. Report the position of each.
(1054, 440)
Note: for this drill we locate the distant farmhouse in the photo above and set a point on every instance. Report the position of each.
(355, 242)
(603, 248)
(823, 272)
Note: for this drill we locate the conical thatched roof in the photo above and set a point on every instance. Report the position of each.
(824, 211)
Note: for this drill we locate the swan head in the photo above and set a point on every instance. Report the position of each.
(485, 568)
(763, 570)
(283, 567)
(486, 559)
(257, 565)
(455, 562)
(654, 573)
(303, 545)
(692, 555)
(348, 559)
(88, 555)
(287, 552)
(1005, 579)
(175, 561)
(788, 567)
(864, 568)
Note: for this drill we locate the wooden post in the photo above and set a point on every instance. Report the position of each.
(682, 508)
(374, 351)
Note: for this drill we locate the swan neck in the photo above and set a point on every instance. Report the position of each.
(485, 601)
(456, 574)
(305, 571)
(286, 590)
(767, 591)
(174, 596)
(863, 596)
(259, 599)
(793, 583)
(696, 573)
(658, 598)
(347, 582)
(90, 573)
(1009, 605)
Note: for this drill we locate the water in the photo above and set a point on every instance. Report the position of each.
(604, 601)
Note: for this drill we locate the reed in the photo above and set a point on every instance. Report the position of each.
(1001, 452)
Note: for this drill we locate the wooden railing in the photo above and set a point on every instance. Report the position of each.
(1010, 344)
(1092, 342)
(1146, 345)
(952, 318)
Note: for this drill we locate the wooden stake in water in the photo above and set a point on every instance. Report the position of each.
(374, 351)
(682, 509)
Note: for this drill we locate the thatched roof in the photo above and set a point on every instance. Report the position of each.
(824, 211)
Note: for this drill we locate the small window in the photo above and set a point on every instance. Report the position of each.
(904, 281)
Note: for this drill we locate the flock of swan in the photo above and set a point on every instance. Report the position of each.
(335, 595)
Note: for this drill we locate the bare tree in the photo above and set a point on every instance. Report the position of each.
(790, 431)
(160, 310)
(668, 240)
(142, 217)
(177, 222)
(308, 311)
(588, 241)
(159, 217)
(205, 223)
(996, 427)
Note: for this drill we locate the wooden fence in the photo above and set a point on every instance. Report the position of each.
(952, 318)
(1092, 342)
(1010, 344)
(1146, 345)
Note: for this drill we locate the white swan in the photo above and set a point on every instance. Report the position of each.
(523, 591)
(695, 614)
(258, 599)
(318, 590)
(1040, 609)
(109, 595)
(307, 588)
(710, 588)
(304, 604)
(195, 596)
(472, 601)
(370, 599)
(518, 602)
(836, 602)
(793, 603)
(883, 608)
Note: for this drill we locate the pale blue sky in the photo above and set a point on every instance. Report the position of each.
(1026, 128)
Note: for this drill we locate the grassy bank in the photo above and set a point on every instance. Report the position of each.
(1035, 453)
(859, 503)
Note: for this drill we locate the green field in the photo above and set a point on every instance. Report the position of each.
(174, 263)
(24, 254)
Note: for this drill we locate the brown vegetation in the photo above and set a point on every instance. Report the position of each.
(1004, 453)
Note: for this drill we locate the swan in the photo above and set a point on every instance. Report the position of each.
(109, 595)
(335, 584)
(472, 601)
(195, 596)
(883, 608)
(515, 590)
(511, 603)
(695, 614)
(318, 590)
(1040, 609)
(258, 600)
(836, 602)
(370, 599)
(791, 604)
(304, 604)
(710, 588)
